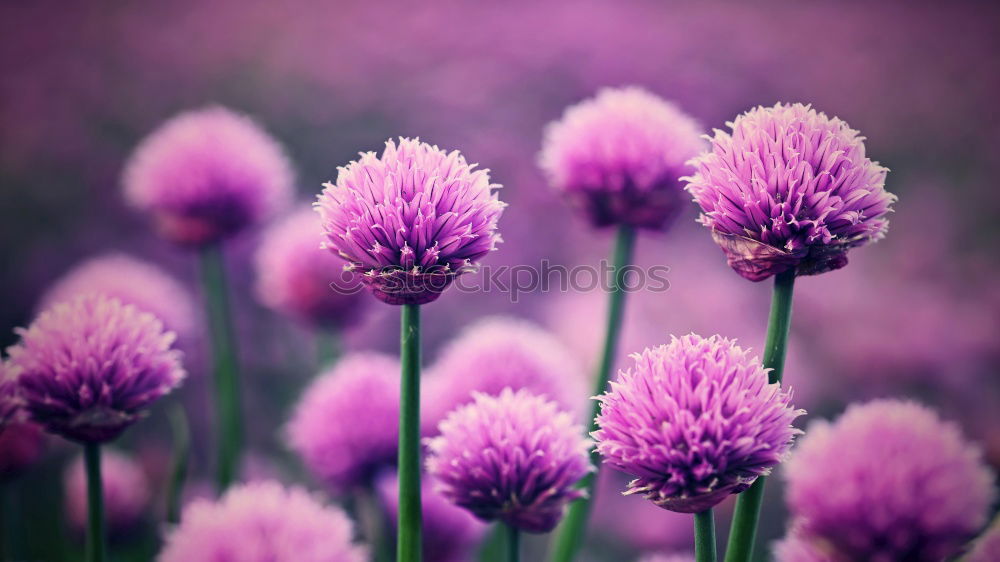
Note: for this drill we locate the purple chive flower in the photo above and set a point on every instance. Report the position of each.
(694, 421)
(295, 277)
(789, 188)
(126, 492)
(450, 533)
(21, 445)
(131, 281)
(888, 481)
(346, 425)
(987, 547)
(89, 368)
(206, 174)
(514, 457)
(497, 353)
(620, 156)
(263, 522)
(411, 220)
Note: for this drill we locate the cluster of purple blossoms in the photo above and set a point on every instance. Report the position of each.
(295, 277)
(694, 421)
(89, 368)
(908, 486)
(263, 522)
(620, 157)
(789, 188)
(207, 174)
(411, 220)
(346, 426)
(125, 488)
(514, 457)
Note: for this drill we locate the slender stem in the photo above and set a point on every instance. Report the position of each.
(327, 348)
(96, 541)
(743, 531)
(408, 543)
(178, 470)
(570, 534)
(513, 544)
(227, 389)
(704, 536)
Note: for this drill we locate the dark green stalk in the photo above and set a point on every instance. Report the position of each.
(229, 427)
(408, 540)
(570, 534)
(96, 539)
(704, 536)
(178, 470)
(744, 527)
(513, 544)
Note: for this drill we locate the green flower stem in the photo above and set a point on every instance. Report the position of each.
(179, 467)
(744, 527)
(408, 542)
(229, 426)
(96, 541)
(570, 534)
(513, 544)
(704, 536)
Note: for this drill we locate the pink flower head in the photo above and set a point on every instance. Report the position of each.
(411, 220)
(513, 457)
(125, 487)
(297, 278)
(346, 425)
(620, 155)
(207, 174)
(694, 421)
(263, 522)
(789, 188)
(89, 368)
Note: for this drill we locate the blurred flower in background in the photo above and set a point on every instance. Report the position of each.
(126, 493)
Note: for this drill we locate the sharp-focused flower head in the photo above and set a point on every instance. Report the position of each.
(620, 156)
(125, 487)
(346, 425)
(411, 219)
(888, 481)
(263, 522)
(497, 353)
(514, 457)
(21, 445)
(131, 281)
(297, 278)
(789, 188)
(694, 421)
(450, 533)
(89, 368)
(207, 174)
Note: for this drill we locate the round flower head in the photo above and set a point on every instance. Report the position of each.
(694, 421)
(207, 174)
(131, 281)
(88, 368)
(411, 219)
(513, 457)
(297, 278)
(789, 188)
(497, 353)
(262, 522)
(346, 425)
(125, 486)
(450, 533)
(620, 156)
(888, 481)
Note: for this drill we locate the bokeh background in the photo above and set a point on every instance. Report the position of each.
(915, 315)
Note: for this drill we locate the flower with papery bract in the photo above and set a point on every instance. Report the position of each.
(88, 368)
(620, 156)
(497, 353)
(888, 480)
(263, 522)
(514, 457)
(124, 485)
(131, 281)
(694, 421)
(450, 533)
(789, 188)
(207, 174)
(411, 220)
(297, 278)
(346, 425)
